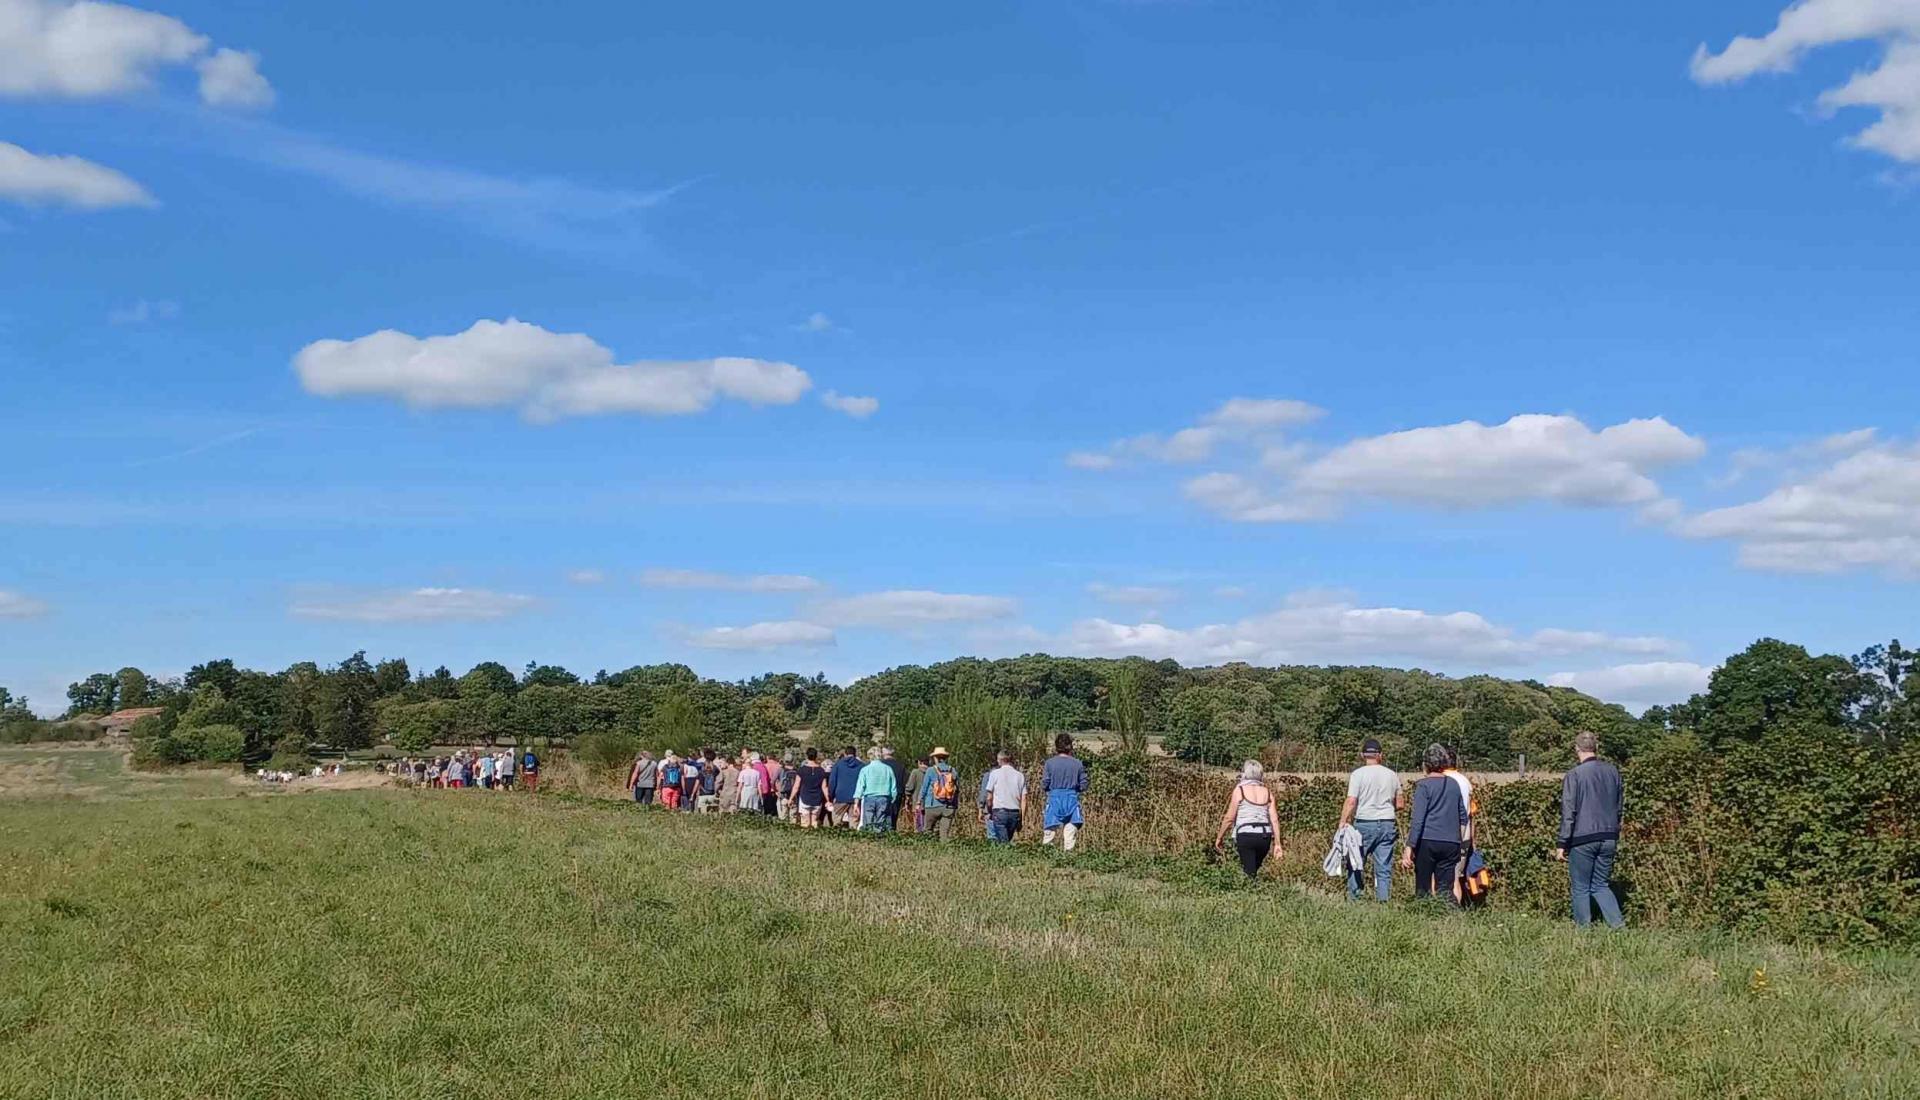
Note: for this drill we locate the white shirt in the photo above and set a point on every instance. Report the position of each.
(1372, 788)
(1006, 786)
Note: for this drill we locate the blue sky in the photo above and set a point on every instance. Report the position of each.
(832, 337)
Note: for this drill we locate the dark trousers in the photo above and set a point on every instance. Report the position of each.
(643, 795)
(1434, 864)
(1002, 825)
(770, 804)
(1252, 847)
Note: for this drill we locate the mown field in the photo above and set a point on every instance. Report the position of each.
(443, 944)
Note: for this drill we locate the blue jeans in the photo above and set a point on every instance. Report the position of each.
(1002, 824)
(1376, 847)
(1590, 867)
(875, 813)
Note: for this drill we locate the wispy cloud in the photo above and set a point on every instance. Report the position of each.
(418, 605)
(200, 448)
(143, 311)
(788, 634)
(545, 210)
(15, 605)
(727, 582)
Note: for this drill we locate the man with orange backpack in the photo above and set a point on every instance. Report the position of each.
(938, 796)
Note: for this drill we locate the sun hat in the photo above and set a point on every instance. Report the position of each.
(940, 751)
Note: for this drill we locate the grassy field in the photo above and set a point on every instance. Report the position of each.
(442, 944)
(90, 773)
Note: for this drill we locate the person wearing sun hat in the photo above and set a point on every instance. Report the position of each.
(938, 795)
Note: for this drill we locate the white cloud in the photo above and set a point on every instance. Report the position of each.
(231, 78)
(762, 636)
(1315, 629)
(727, 582)
(1236, 419)
(912, 608)
(14, 605)
(1859, 511)
(1240, 498)
(36, 179)
(1892, 85)
(419, 605)
(857, 407)
(1638, 686)
(546, 375)
(816, 322)
(1530, 457)
(142, 311)
(85, 49)
(586, 576)
(1139, 595)
(1263, 412)
(1465, 465)
(1091, 460)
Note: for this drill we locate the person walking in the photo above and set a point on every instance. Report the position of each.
(503, 771)
(644, 777)
(1373, 800)
(875, 792)
(1063, 780)
(672, 775)
(771, 804)
(1003, 800)
(1254, 821)
(1591, 804)
(842, 779)
(1454, 773)
(810, 790)
(485, 767)
(938, 796)
(1437, 824)
(729, 790)
(910, 793)
(530, 769)
(764, 801)
(899, 770)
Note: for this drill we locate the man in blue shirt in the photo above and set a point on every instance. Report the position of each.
(1063, 779)
(842, 778)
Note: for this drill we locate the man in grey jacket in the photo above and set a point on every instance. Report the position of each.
(1590, 802)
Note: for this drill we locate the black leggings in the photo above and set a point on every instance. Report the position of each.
(1433, 868)
(1252, 848)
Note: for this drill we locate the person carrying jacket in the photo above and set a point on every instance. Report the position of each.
(1591, 798)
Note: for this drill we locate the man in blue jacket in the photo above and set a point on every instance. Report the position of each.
(842, 780)
(1591, 798)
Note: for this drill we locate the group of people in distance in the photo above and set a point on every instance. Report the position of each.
(871, 795)
(1440, 831)
(473, 768)
(874, 795)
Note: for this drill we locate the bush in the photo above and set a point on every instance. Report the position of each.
(221, 744)
(606, 753)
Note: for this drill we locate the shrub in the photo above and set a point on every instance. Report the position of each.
(605, 752)
(221, 744)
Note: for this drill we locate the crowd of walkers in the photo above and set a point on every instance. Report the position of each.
(1440, 846)
(873, 794)
(876, 793)
(478, 767)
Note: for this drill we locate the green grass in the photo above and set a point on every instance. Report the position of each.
(85, 773)
(443, 944)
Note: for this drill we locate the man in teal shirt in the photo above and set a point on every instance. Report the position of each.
(875, 792)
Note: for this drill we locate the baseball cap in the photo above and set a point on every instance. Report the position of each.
(1370, 747)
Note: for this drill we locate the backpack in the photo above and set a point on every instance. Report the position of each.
(944, 788)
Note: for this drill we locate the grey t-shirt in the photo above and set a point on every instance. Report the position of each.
(1372, 787)
(1006, 786)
